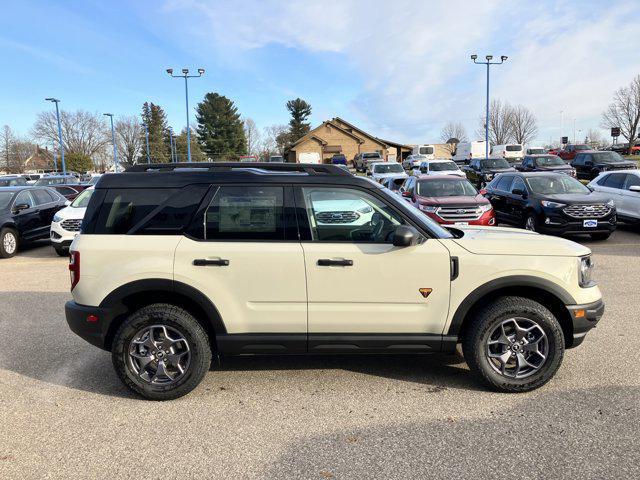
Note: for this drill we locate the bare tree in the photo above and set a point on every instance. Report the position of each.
(274, 139)
(252, 134)
(624, 111)
(82, 132)
(596, 139)
(129, 140)
(500, 124)
(14, 151)
(524, 127)
(6, 139)
(453, 131)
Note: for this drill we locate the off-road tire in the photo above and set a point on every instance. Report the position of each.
(178, 319)
(487, 318)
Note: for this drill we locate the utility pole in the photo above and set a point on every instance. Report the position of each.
(185, 75)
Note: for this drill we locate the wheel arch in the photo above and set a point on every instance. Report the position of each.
(135, 295)
(549, 294)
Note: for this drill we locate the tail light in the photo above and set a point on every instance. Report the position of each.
(74, 268)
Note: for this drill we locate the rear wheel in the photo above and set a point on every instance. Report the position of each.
(514, 344)
(8, 242)
(161, 352)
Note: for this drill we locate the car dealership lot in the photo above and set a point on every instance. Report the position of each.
(64, 413)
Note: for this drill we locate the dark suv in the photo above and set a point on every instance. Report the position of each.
(546, 163)
(551, 203)
(179, 262)
(481, 171)
(590, 164)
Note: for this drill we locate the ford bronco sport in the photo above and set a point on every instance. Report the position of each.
(176, 263)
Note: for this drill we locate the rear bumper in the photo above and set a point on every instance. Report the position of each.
(584, 318)
(92, 330)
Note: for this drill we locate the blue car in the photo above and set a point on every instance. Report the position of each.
(339, 160)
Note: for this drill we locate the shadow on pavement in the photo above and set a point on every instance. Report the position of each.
(543, 437)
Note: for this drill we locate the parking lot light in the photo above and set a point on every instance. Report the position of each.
(57, 101)
(185, 75)
(486, 122)
(113, 139)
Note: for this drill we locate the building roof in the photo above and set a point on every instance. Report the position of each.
(353, 127)
(311, 134)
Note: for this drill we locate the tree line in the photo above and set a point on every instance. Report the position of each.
(220, 134)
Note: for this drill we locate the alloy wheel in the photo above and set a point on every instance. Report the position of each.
(159, 355)
(517, 348)
(9, 243)
(530, 224)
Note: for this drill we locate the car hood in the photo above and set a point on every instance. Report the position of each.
(555, 167)
(458, 200)
(625, 163)
(498, 170)
(515, 241)
(577, 198)
(72, 213)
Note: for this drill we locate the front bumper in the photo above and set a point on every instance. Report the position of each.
(554, 223)
(61, 236)
(584, 318)
(92, 330)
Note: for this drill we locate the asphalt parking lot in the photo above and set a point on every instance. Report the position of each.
(64, 413)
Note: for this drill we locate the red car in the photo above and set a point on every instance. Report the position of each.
(448, 200)
(70, 192)
(569, 152)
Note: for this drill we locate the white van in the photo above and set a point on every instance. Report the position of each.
(467, 151)
(427, 151)
(511, 152)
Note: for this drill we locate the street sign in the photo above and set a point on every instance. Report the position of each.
(565, 140)
(615, 132)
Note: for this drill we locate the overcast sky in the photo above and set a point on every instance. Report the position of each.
(399, 69)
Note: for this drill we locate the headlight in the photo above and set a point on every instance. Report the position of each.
(488, 176)
(585, 275)
(546, 203)
(57, 218)
(366, 209)
(428, 208)
(611, 203)
(485, 207)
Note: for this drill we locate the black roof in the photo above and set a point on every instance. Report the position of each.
(177, 175)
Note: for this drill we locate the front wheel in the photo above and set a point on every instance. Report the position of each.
(161, 352)
(531, 223)
(8, 242)
(514, 344)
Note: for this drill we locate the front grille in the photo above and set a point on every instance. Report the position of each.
(337, 217)
(462, 213)
(597, 210)
(72, 225)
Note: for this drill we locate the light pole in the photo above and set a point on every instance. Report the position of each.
(487, 63)
(113, 139)
(185, 75)
(146, 135)
(561, 125)
(55, 156)
(56, 101)
(172, 146)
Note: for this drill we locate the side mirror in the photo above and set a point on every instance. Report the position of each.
(634, 188)
(368, 173)
(406, 194)
(483, 191)
(405, 236)
(20, 207)
(519, 192)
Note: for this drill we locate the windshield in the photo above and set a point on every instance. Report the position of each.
(607, 157)
(395, 184)
(12, 181)
(443, 167)
(434, 226)
(582, 147)
(56, 181)
(556, 184)
(494, 163)
(388, 168)
(371, 155)
(426, 150)
(5, 199)
(514, 148)
(536, 151)
(445, 188)
(550, 161)
(82, 200)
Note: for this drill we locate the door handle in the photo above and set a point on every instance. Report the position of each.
(327, 262)
(203, 262)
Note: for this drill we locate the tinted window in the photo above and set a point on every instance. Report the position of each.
(556, 184)
(426, 150)
(349, 215)
(175, 214)
(579, 160)
(443, 167)
(246, 213)
(122, 209)
(514, 148)
(5, 199)
(550, 161)
(504, 183)
(12, 181)
(632, 181)
(602, 180)
(518, 184)
(66, 190)
(24, 197)
(615, 180)
(41, 197)
(607, 157)
(495, 163)
(387, 168)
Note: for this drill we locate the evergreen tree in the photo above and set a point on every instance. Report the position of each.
(220, 129)
(197, 155)
(156, 119)
(298, 125)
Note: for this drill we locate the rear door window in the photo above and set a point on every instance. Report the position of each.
(615, 180)
(41, 197)
(504, 183)
(632, 181)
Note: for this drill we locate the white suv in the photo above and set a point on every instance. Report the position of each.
(66, 223)
(176, 263)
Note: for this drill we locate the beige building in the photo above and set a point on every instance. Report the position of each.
(339, 136)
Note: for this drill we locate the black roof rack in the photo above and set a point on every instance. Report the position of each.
(249, 167)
